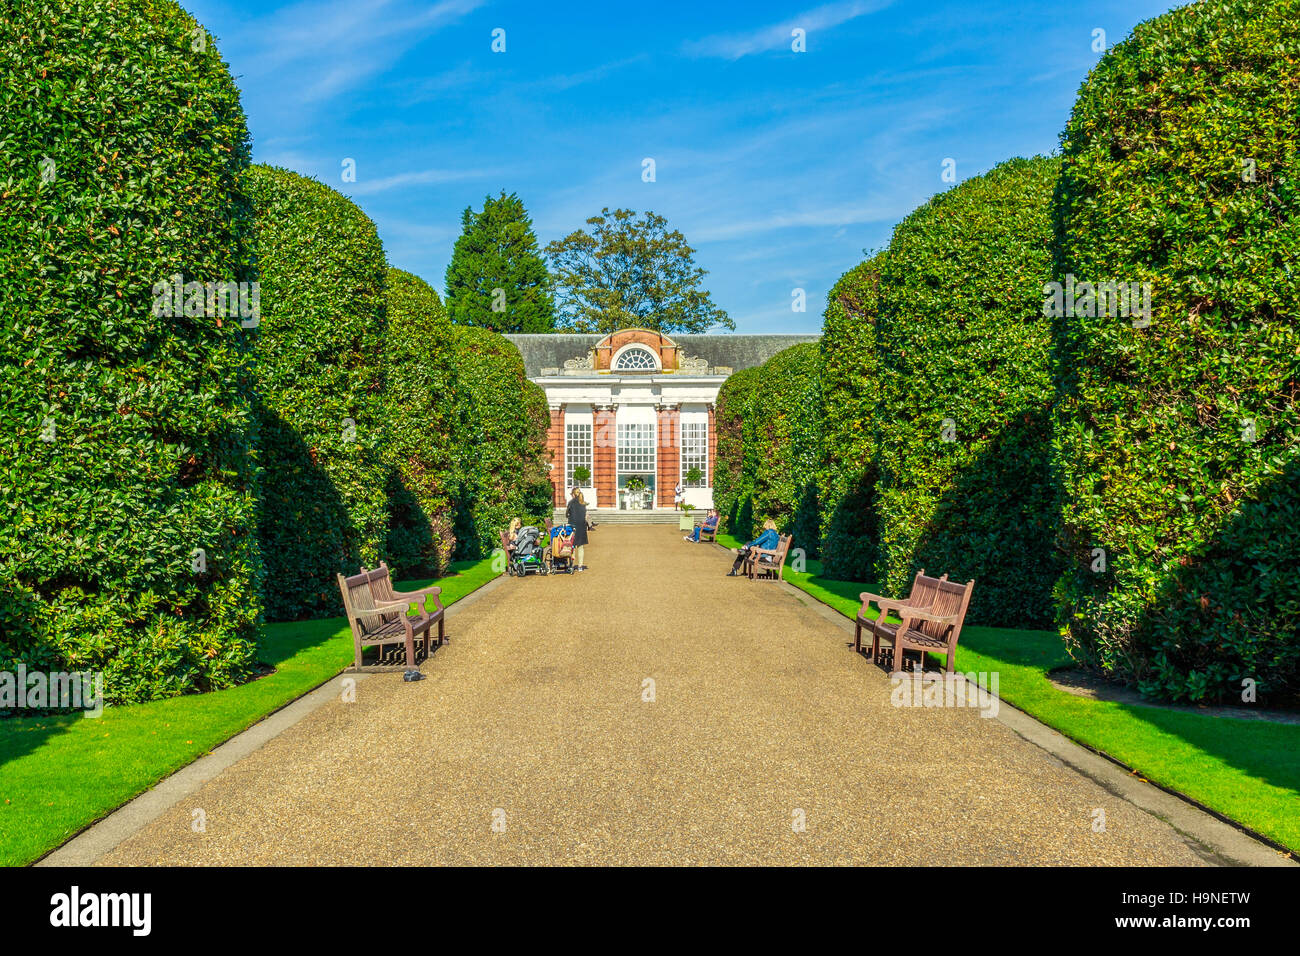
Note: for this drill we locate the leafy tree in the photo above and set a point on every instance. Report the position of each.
(628, 271)
(496, 279)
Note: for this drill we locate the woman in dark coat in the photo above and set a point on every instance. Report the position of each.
(576, 516)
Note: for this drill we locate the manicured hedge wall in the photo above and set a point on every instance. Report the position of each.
(124, 434)
(782, 444)
(964, 354)
(1178, 441)
(419, 409)
(731, 487)
(320, 381)
(850, 384)
(500, 441)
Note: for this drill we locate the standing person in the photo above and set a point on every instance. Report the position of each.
(576, 515)
(679, 495)
(767, 540)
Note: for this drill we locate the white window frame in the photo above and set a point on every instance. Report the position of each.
(578, 452)
(618, 356)
(695, 450)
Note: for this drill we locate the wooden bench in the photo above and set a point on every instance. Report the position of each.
(930, 620)
(766, 563)
(924, 589)
(378, 614)
(711, 530)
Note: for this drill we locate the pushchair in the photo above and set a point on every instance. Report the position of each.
(529, 556)
(561, 551)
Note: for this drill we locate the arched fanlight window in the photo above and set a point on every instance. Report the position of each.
(636, 359)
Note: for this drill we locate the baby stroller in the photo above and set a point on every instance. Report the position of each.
(561, 561)
(529, 556)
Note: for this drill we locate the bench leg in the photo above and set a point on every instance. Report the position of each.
(857, 637)
(442, 634)
(410, 649)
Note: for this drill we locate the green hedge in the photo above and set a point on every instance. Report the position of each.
(731, 487)
(964, 353)
(124, 434)
(782, 444)
(1200, 525)
(419, 409)
(850, 384)
(499, 441)
(324, 507)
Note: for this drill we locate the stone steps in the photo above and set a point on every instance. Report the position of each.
(611, 517)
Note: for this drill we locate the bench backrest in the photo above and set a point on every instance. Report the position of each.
(359, 595)
(951, 600)
(925, 590)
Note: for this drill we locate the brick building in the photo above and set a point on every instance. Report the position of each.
(635, 409)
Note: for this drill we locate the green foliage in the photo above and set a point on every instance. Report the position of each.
(731, 488)
(1180, 169)
(498, 250)
(124, 435)
(419, 409)
(965, 391)
(850, 383)
(782, 444)
(499, 441)
(631, 273)
(324, 507)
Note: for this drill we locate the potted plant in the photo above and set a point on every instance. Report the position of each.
(581, 476)
(686, 522)
(634, 487)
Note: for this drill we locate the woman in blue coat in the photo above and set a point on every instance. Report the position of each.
(767, 540)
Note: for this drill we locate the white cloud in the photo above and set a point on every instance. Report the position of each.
(732, 46)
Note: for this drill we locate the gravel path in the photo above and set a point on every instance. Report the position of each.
(532, 721)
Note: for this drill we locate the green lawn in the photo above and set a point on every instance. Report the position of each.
(60, 774)
(1247, 770)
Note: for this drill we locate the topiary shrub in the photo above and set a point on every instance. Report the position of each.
(965, 486)
(1178, 438)
(130, 540)
(500, 441)
(850, 384)
(782, 438)
(731, 488)
(419, 409)
(324, 504)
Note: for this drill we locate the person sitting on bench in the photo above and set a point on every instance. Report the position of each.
(710, 526)
(768, 539)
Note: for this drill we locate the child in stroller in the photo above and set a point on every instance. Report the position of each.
(561, 550)
(529, 556)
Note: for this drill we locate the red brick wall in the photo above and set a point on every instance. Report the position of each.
(555, 445)
(659, 344)
(604, 437)
(713, 445)
(669, 455)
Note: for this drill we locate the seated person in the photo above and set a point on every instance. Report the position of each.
(767, 540)
(710, 524)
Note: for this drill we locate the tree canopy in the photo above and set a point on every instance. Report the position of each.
(497, 279)
(629, 271)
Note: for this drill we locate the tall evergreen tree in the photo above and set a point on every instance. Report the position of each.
(497, 279)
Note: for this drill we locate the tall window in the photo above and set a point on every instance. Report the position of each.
(636, 359)
(695, 452)
(636, 448)
(577, 453)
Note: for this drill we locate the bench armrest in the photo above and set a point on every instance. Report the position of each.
(421, 596)
(920, 614)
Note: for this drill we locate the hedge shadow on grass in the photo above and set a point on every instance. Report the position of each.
(1003, 495)
(1235, 593)
(324, 541)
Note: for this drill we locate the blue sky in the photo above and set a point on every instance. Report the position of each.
(779, 167)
